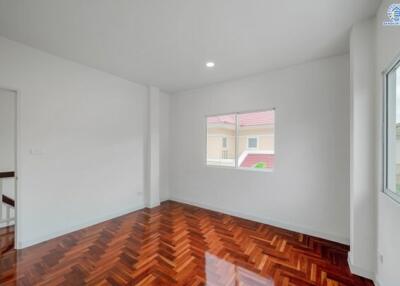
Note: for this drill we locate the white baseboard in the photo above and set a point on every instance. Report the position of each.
(7, 224)
(39, 239)
(361, 271)
(152, 205)
(378, 281)
(296, 228)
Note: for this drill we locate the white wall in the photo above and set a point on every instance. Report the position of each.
(309, 188)
(152, 149)
(369, 53)
(157, 148)
(388, 48)
(362, 149)
(7, 144)
(7, 130)
(164, 146)
(81, 142)
(7, 138)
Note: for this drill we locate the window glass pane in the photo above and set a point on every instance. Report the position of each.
(393, 131)
(252, 142)
(256, 148)
(224, 142)
(218, 128)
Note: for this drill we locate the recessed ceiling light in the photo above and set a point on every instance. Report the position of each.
(210, 64)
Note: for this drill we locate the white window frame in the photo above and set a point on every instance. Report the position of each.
(386, 73)
(236, 166)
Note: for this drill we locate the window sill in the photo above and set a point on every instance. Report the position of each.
(256, 170)
(394, 196)
(241, 169)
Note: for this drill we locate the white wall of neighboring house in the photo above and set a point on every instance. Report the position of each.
(217, 154)
(215, 149)
(81, 142)
(311, 147)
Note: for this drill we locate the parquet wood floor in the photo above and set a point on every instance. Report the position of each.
(178, 244)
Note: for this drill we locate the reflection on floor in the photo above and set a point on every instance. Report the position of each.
(178, 244)
(6, 240)
(221, 272)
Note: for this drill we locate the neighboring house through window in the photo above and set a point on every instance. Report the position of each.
(242, 140)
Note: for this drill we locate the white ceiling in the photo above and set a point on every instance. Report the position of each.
(167, 42)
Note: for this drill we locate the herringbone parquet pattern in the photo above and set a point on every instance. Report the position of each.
(178, 244)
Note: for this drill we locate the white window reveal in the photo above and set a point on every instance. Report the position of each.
(392, 132)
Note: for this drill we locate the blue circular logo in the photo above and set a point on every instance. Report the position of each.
(393, 12)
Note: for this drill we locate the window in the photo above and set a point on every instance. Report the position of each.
(392, 132)
(224, 142)
(252, 142)
(247, 140)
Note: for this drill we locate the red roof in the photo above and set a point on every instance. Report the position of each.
(223, 119)
(245, 119)
(252, 159)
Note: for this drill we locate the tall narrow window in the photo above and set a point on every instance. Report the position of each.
(242, 140)
(224, 142)
(392, 132)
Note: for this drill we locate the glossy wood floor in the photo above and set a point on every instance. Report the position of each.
(178, 244)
